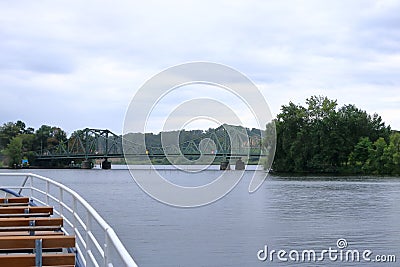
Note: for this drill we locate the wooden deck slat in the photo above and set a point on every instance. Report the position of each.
(27, 242)
(26, 233)
(29, 228)
(24, 260)
(30, 209)
(27, 221)
(24, 215)
(14, 200)
(12, 204)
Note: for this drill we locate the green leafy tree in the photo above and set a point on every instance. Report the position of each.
(321, 137)
(320, 107)
(360, 155)
(392, 154)
(20, 147)
(377, 158)
(14, 151)
(48, 137)
(322, 125)
(28, 141)
(291, 127)
(10, 130)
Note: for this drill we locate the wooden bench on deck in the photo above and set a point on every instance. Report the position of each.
(26, 211)
(14, 201)
(30, 237)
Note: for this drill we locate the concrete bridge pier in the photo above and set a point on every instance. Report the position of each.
(239, 166)
(224, 165)
(106, 165)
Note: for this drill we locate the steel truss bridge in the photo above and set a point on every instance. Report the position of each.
(228, 142)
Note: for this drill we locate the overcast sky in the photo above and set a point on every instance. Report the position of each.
(77, 64)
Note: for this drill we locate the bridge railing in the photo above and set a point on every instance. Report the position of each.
(97, 244)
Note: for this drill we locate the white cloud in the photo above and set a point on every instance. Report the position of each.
(78, 63)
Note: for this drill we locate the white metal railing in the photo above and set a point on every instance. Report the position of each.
(96, 246)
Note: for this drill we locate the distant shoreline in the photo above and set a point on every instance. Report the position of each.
(188, 167)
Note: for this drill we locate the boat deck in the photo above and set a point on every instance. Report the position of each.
(31, 236)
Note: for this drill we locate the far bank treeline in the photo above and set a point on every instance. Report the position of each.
(324, 138)
(319, 137)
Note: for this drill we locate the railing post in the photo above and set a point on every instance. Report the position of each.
(47, 192)
(87, 238)
(74, 214)
(106, 248)
(75, 227)
(61, 202)
(31, 184)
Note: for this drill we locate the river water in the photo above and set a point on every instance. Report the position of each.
(286, 213)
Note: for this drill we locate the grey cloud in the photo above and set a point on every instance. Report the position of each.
(76, 50)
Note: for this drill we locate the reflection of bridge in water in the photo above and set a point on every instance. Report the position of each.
(224, 143)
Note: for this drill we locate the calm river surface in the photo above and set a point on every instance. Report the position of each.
(301, 213)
